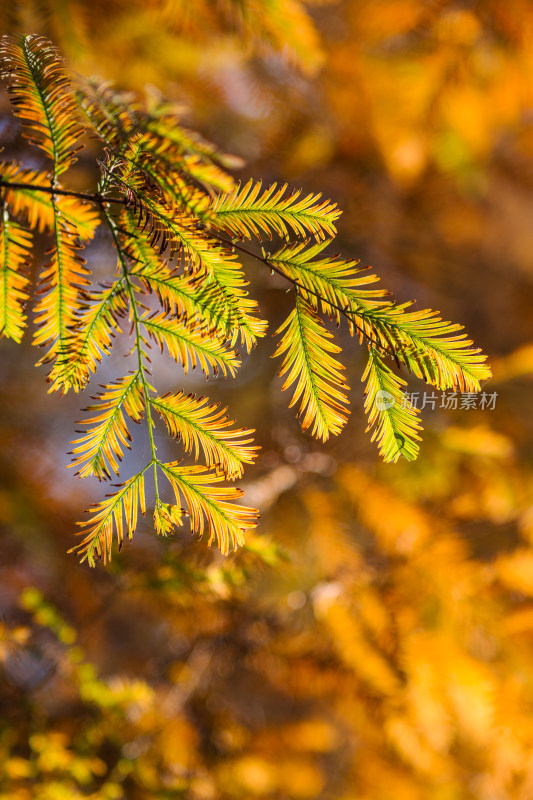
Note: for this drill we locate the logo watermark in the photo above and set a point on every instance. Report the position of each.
(384, 400)
(449, 401)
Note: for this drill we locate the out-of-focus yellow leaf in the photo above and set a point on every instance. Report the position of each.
(516, 571)
(314, 735)
(352, 646)
(403, 529)
(480, 440)
(255, 774)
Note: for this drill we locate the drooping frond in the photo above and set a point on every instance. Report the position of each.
(97, 325)
(216, 283)
(36, 208)
(42, 98)
(203, 427)
(61, 282)
(430, 347)
(320, 386)
(333, 283)
(226, 282)
(215, 299)
(211, 508)
(99, 450)
(117, 513)
(246, 212)
(15, 244)
(191, 347)
(112, 115)
(420, 339)
(172, 231)
(391, 416)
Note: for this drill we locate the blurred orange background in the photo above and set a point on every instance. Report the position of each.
(375, 637)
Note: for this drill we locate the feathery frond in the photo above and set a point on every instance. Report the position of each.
(15, 244)
(190, 347)
(97, 325)
(78, 215)
(171, 230)
(246, 212)
(33, 206)
(187, 297)
(213, 297)
(61, 282)
(203, 427)
(100, 449)
(430, 347)
(221, 277)
(211, 508)
(111, 115)
(117, 514)
(391, 416)
(419, 339)
(118, 116)
(42, 98)
(215, 301)
(226, 281)
(148, 165)
(187, 179)
(320, 386)
(333, 283)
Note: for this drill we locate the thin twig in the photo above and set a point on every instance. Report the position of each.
(298, 285)
(94, 198)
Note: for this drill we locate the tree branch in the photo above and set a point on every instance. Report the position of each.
(101, 199)
(94, 198)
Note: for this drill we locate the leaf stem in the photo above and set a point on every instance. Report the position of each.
(138, 338)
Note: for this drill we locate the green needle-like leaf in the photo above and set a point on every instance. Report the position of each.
(308, 347)
(391, 417)
(246, 212)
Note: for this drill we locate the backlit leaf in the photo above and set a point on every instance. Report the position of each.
(307, 346)
(211, 508)
(203, 428)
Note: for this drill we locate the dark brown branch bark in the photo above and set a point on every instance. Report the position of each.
(93, 198)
